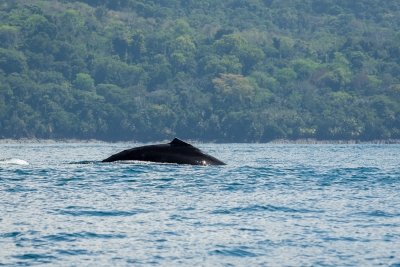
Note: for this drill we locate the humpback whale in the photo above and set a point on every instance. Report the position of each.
(177, 151)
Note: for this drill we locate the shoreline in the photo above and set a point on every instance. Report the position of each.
(277, 141)
(335, 142)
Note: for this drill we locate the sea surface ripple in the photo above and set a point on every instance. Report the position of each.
(272, 205)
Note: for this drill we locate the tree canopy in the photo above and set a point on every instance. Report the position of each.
(224, 70)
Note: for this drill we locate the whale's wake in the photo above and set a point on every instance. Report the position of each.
(13, 161)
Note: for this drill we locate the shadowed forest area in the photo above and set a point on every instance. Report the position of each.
(212, 70)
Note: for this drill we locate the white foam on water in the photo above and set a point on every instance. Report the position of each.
(13, 162)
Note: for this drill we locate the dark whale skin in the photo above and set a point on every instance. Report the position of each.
(177, 151)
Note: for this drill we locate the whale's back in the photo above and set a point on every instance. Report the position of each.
(177, 151)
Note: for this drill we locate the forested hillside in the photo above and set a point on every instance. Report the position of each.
(224, 70)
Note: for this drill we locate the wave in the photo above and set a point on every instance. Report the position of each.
(84, 162)
(13, 161)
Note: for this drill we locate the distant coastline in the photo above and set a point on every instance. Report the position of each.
(277, 141)
(334, 142)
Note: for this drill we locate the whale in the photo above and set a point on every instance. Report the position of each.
(177, 151)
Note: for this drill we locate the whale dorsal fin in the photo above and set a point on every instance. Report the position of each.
(179, 142)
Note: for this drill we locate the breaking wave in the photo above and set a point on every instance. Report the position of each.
(13, 162)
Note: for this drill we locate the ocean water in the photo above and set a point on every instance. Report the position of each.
(272, 205)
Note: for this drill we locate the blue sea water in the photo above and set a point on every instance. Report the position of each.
(272, 205)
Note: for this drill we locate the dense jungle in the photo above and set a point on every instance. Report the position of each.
(208, 70)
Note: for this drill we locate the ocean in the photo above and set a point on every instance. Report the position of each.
(271, 205)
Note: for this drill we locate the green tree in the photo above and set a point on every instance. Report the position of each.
(249, 57)
(181, 28)
(84, 82)
(285, 76)
(8, 36)
(337, 78)
(72, 21)
(36, 24)
(230, 43)
(12, 61)
(304, 68)
(233, 90)
(215, 65)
